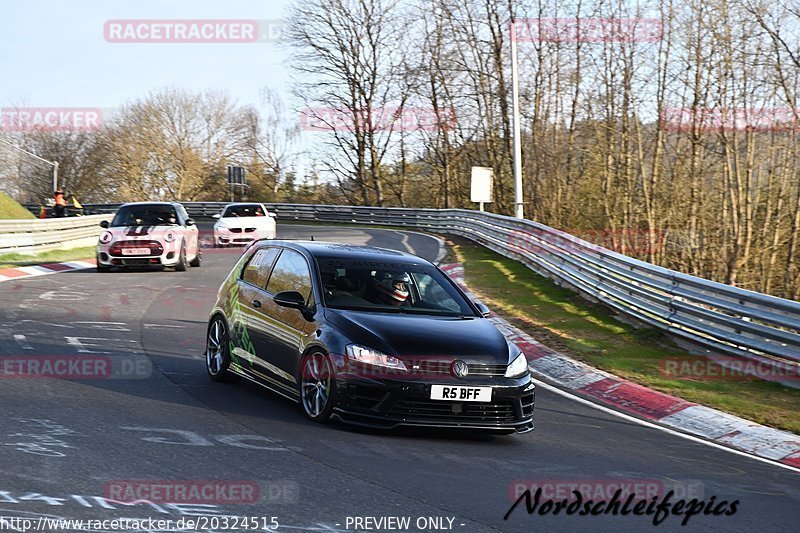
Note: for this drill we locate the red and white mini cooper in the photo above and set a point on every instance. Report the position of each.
(149, 234)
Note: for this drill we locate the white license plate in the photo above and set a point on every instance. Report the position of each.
(136, 251)
(461, 394)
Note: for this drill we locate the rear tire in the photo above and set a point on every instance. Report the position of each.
(218, 357)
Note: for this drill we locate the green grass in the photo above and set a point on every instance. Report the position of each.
(561, 319)
(52, 256)
(9, 209)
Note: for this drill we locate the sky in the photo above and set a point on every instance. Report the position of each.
(55, 53)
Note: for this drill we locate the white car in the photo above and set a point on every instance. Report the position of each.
(149, 234)
(243, 223)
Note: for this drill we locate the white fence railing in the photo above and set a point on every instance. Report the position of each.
(721, 319)
(39, 235)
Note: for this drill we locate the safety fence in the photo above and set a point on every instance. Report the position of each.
(39, 235)
(721, 319)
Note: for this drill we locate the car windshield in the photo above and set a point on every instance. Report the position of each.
(237, 211)
(145, 215)
(390, 287)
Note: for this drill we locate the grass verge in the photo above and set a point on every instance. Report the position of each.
(52, 256)
(10, 210)
(562, 320)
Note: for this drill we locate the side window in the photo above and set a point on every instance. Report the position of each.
(291, 273)
(181, 214)
(257, 270)
(431, 292)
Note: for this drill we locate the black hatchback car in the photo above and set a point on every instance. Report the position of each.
(367, 336)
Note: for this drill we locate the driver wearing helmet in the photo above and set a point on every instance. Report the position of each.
(390, 288)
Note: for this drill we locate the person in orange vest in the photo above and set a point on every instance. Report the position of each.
(61, 202)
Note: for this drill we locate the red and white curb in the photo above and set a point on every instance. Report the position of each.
(8, 274)
(644, 403)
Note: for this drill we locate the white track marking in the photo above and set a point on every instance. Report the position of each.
(100, 324)
(644, 423)
(157, 326)
(404, 242)
(46, 323)
(62, 295)
(73, 341)
(22, 341)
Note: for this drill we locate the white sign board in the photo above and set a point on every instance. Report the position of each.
(482, 185)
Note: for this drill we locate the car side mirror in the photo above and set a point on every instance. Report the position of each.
(104, 224)
(293, 300)
(272, 215)
(216, 216)
(485, 311)
(189, 222)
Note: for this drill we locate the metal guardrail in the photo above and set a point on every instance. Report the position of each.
(39, 235)
(721, 319)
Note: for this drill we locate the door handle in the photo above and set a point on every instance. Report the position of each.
(256, 304)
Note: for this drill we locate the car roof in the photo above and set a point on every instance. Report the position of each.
(243, 203)
(149, 203)
(321, 250)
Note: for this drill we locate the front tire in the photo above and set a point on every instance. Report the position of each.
(317, 387)
(197, 259)
(218, 357)
(181, 266)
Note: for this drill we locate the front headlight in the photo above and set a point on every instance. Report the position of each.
(368, 356)
(169, 236)
(106, 237)
(519, 366)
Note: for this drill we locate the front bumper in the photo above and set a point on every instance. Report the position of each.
(168, 258)
(392, 403)
(239, 238)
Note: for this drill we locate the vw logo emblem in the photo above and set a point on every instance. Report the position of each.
(460, 369)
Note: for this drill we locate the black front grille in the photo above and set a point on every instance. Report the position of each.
(445, 368)
(236, 230)
(487, 370)
(249, 230)
(474, 412)
(136, 261)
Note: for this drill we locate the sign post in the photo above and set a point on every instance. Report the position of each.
(236, 176)
(482, 186)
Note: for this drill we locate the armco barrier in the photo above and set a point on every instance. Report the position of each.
(719, 318)
(39, 235)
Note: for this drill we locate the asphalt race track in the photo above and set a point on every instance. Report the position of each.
(67, 445)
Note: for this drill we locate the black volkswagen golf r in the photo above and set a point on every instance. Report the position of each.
(367, 336)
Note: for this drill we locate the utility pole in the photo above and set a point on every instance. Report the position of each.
(519, 211)
(53, 164)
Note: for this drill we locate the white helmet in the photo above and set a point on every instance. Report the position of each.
(392, 284)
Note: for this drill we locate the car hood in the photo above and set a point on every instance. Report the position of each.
(243, 222)
(473, 340)
(142, 232)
